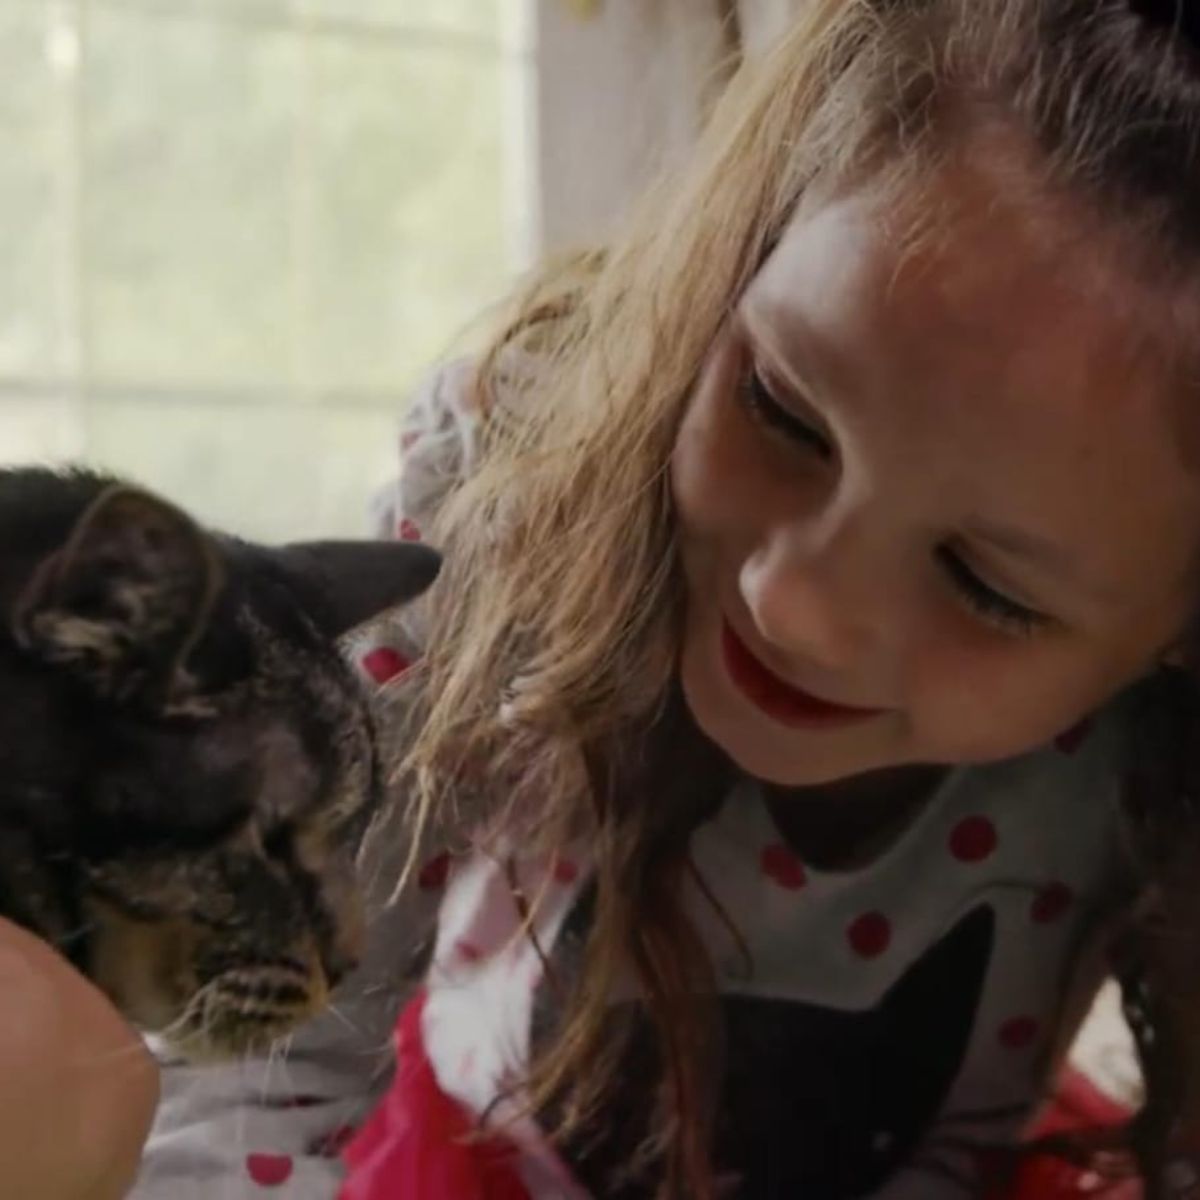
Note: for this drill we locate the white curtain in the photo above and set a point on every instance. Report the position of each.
(624, 89)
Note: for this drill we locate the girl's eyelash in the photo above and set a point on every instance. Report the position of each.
(762, 404)
(993, 606)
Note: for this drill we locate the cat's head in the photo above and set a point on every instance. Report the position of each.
(187, 761)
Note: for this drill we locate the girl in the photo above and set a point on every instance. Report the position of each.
(805, 720)
(78, 1090)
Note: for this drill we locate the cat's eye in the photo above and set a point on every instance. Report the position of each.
(277, 842)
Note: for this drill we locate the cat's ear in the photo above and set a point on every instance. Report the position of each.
(124, 598)
(361, 580)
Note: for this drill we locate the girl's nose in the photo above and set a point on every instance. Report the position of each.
(818, 599)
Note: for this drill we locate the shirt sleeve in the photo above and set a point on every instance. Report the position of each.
(436, 450)
(242, 1131)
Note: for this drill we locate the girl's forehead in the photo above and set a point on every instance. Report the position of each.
(994, 283)
(974, 347)
(970, 298)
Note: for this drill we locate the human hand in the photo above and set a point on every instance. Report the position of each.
(77, 1087)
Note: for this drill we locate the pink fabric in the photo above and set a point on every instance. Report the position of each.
(417, 1145)
(1077, 1104)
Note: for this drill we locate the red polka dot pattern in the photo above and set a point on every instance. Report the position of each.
(467, 951)
(973, 839)
(870, 935)
(1051, 903)
(269, 1170)
(384, 663)
(434, 873)
(1018, 1033)
(408, 531)
(781, 865)
(565, 871)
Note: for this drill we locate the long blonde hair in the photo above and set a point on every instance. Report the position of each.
(557, 620)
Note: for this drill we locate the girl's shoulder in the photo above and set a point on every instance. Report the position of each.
(435, 447)
(439, 435)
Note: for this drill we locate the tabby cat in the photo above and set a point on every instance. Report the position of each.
(187, 761)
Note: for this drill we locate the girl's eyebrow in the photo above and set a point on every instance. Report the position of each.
(817, 378)
(793, 349)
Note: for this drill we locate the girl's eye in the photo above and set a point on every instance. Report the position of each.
(763, 406)
(993, 606)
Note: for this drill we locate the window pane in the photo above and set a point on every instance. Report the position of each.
(409, 206)
(40, 429)
(233, 10)
(459, 16)
(274, 472)
(243, 233)
(189, 153)
(32, 127)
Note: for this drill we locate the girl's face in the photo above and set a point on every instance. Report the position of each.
(940, 487)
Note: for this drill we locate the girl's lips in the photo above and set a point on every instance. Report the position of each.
(779, 700)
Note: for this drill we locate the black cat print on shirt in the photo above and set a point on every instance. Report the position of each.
(813, 1101)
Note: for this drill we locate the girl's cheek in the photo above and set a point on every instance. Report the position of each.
(981, 698)
(728, 476)
(717, 479)
(705, 457)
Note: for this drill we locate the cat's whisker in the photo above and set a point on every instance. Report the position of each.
(208, 997)
(201, 998)
(277, 1057)
(280, 1049)
(133, 1052)
(177, 1026)
(198, 994)
(268, 1067)
(335, 1011)
(72, 935)
(192, 1023)
(380, 1045)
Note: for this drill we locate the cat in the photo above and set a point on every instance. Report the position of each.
(187, 760)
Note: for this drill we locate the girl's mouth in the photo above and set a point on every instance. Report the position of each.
(780, 700)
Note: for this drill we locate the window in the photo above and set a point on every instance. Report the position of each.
(236, 231)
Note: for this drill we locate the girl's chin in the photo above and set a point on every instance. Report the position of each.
(785, 758)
